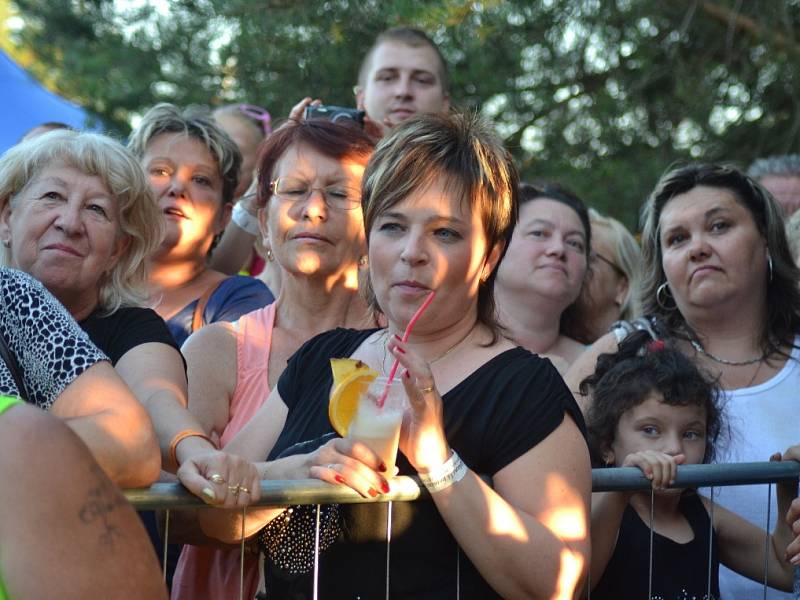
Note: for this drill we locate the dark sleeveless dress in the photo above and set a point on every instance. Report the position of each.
(680, 571)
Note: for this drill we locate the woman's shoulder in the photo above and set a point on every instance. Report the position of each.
(568, 349)
(515, 373)
(126, 328)
(236, 296)
(19, 285)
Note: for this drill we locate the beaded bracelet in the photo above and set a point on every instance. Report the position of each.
(182, 435)
(245, 220)
(445, 475)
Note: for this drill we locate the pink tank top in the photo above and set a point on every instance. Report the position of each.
(205, 573)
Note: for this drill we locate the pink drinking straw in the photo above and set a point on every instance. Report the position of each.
(406, 335)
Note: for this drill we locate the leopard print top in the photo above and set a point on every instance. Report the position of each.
(51, 348)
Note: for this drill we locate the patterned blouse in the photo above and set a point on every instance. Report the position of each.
(51, 349)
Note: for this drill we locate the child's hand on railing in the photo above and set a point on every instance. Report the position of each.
(660, 468)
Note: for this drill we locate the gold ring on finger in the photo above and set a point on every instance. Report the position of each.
(244, 489)
(234, 489)
(427, 390)
(216, 478)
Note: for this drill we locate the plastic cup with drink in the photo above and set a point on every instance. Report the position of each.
(377, 425)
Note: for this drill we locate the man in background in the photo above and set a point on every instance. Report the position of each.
(402, 74)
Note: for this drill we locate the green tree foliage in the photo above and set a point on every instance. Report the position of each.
(601, 94)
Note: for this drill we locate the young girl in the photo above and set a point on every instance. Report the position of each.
(651, 408)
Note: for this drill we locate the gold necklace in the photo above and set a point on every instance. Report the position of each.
(453, 347)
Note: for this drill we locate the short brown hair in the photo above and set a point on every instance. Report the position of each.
(329, 139)
(195, 122)
(462, 148)
(410, 37)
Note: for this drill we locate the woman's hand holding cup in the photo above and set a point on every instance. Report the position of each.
(422, 437)
(342, 461)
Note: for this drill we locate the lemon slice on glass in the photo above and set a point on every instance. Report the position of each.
(351, 378)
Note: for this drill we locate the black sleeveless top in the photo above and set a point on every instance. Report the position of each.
(499, 412)
(680, 571)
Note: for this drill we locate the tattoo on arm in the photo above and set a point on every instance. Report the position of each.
(103, 499)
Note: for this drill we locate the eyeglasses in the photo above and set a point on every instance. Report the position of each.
(259, 114)
(596, 255)
(294, 190)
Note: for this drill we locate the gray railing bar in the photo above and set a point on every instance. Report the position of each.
(631, 478)
(274, 493)
(286, 493)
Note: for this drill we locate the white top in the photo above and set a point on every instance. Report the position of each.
(763, 419)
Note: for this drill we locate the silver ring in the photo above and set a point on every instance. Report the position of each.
(331, 466)
(216, 478)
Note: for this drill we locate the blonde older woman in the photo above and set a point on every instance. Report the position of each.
(611, 291)
(76, 213)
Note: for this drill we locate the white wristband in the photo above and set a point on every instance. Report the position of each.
(445, 475)
(245, 220)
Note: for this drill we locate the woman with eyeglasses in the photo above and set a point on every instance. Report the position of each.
(541, 275)
(612, 285)
(309, 188)
(194, 169)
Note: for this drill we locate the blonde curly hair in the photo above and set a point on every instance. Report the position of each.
(119, 170)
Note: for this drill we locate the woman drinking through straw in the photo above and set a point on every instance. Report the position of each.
(440, 201)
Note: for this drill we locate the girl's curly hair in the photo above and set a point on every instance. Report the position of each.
(624, 379)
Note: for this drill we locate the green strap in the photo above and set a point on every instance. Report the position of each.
(7, 402)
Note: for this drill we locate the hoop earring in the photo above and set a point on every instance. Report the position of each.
(769, 265)
(664, 289)
(270, 256)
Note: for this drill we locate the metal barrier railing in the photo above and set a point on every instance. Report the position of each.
(312, 491)
(172, 496)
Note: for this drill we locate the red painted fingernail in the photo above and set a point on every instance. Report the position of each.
(398, 338)
(382, 467)
(399, 349)
(385, 487)
(373, 492)
(407, 375)
(340, 479)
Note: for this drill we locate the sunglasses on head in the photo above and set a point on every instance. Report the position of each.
(259, 114)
